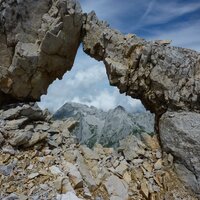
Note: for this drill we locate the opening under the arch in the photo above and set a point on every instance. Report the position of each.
(87, 83)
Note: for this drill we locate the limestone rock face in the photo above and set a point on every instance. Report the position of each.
(180, 135)
(106, 128)
(162, 76)
(36, 47)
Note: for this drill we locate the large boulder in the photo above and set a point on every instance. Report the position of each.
(180, 135)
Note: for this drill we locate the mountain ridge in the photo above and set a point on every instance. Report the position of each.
(104, 127)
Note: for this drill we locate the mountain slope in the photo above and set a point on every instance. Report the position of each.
(106, 128)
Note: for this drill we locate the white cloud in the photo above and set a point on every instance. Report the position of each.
(183, 35)
(104, 100)
(167, 11)
(85, 77)
(135, 104)
(139, 13)
(107, 100)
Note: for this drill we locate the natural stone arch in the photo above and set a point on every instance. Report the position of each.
(163, 77)
(39, 46)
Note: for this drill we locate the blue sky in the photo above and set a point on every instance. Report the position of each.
(177, 20)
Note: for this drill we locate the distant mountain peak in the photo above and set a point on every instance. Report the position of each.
(106, 128)
(119, 108)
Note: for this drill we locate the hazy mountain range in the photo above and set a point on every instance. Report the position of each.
(106, 128)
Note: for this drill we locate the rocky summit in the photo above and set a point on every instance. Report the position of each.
(106, 128)
(40, 158)
(40, 46)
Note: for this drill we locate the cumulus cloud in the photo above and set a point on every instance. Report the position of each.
(104, 100)
(87, 83)
(86, 77)
(107, 100)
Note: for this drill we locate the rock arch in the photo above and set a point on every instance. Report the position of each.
(39, 46)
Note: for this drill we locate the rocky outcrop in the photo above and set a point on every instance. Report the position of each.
(39, 46)
(180, 135)
(41, 159)
(36, 47)
(162, 76)
(105, 128)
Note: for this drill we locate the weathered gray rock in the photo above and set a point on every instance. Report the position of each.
(117, 188)
(36, 137)
(23, 124)
(68, 196)
(6, 170)
(132, 147)
(180, 135)
(8, 149)
(37, 47)
(21, 138)
(1, 138)
(26, 110)
(86, 175)
(11, 197)
(15, 124)
(107, 128)
(188, 177)
(74, 175)
(88, 153)
(160, 75)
